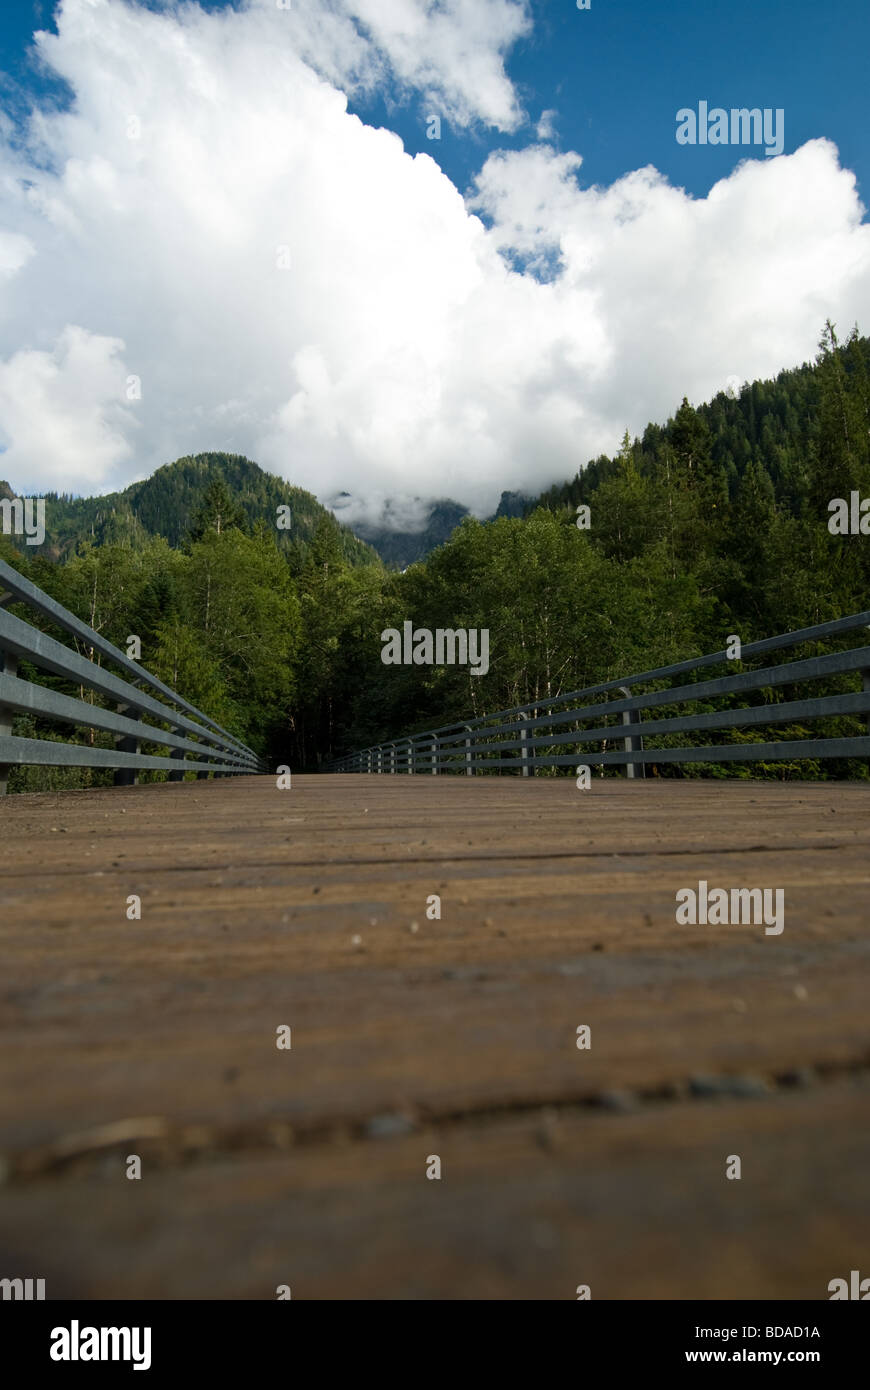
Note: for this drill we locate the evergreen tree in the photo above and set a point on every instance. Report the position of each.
(840, 456)
(218, 512)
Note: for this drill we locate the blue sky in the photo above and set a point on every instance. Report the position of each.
(615, 76)
(208, 239)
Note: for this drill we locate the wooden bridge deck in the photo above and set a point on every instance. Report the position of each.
(453, 1037)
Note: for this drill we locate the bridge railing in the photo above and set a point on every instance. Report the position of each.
(196, 742)
(555, 732)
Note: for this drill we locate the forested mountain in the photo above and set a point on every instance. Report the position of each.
(399, 548)
(715, 523)
(775, 427)
(165, 504)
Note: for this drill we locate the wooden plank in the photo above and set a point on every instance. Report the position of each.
(634, 1205)
(558, 909)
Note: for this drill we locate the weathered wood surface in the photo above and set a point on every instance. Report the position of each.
(307, 1167)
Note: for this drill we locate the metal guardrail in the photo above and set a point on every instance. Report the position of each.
(531, 733)
(213, 749)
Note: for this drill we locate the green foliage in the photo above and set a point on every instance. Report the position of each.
(713, 524)
(218, 511)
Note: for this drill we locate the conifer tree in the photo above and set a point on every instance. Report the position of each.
(218, 512)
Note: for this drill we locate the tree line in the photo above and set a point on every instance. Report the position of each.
(714, 523)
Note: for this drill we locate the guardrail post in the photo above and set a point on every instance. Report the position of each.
(392, 759)
(469, 756)
(177, 755)
(524, 752)
(411, 755)
(9, 666)
(434, 757)
(127, 743)
(630, 743)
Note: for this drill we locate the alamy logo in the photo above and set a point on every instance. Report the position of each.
(838, 1288)
(18, 518)
(850, 518)
(22, 1288)
(420, 647)
(102, 1344)
(741, 126)
(742, 907)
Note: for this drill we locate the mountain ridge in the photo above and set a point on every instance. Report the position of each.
(771, 424)
(166, 503)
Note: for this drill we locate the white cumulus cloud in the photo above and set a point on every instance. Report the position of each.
(289, 283)
(66, 403)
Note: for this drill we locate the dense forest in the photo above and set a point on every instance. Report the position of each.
(714, 523)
